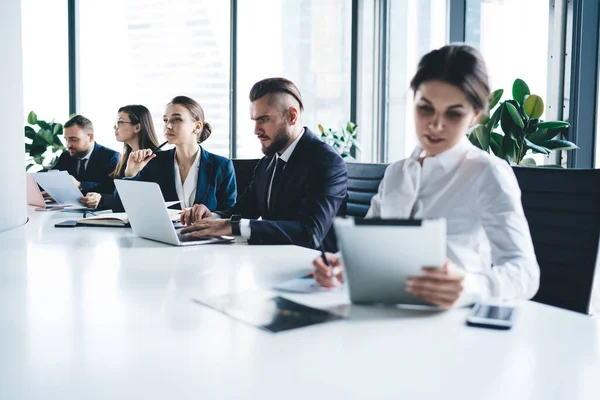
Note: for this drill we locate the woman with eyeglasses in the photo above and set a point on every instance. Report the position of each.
(135, 129)
(187, 173)
(489, 247)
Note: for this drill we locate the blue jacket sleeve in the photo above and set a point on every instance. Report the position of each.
(227, 190)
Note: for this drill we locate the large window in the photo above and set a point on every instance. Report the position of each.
(45, 58)
(416, 27)
(306, 41)
(140, 52)
(512, 35)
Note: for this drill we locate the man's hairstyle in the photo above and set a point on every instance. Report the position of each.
(274, 86)
(82, 122)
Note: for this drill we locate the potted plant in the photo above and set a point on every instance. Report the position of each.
(343, 141)
(44, 146)
(522, 132)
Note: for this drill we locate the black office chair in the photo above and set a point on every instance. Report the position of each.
(562, 207)
(244, 169)
(363, 183)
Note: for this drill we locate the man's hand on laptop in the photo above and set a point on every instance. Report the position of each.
(208, 227)
(324, 274)
(194, 214)
(440, 286)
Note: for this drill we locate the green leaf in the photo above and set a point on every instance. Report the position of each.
(492, 122)
(483, 136)
(44, 125)
(356, 144)
(473, 139)
(553, 124)
(536, 148)
(32, 118)
(520, 90)
(533, 106)
(495, 98)
(509, 147)
(57, 129)
(514, 114)
(321, 129)
(528, 162)
(559, 144)
(29, 132)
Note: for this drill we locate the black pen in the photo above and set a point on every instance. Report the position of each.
(156, 149)
(319, 246)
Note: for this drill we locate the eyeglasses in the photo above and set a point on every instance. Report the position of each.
(119, 123)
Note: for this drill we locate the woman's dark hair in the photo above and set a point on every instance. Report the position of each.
(459, 65)
(138, 114)
(197, 113)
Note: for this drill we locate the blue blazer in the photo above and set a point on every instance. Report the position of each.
(96, 177)
(310, 192)
(216, 187)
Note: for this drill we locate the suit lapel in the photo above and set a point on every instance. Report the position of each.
(206, 168)
(264, 188)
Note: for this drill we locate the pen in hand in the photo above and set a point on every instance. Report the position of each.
(155, 150)
(319, 246)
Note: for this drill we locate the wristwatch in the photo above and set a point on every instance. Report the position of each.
(235, 224)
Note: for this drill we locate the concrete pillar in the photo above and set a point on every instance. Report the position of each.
(13, 200)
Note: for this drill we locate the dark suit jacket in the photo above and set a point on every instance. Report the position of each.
(311, 189)
(95, 178)
(215, 189)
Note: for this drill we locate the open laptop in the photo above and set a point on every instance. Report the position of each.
(379, 255)
(149, 217)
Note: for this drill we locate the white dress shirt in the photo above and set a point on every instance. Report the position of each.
(186, 191)
(478, 195)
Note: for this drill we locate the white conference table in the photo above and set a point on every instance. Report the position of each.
(97, 313)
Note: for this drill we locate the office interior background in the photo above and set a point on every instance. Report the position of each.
(352, 60)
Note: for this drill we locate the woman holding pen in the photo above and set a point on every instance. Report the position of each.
(134, 128)
(187, 173)
(489, 247)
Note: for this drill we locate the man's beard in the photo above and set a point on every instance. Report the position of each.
(281, 139)
(79, 154)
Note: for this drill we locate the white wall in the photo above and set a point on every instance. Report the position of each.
(13, 203)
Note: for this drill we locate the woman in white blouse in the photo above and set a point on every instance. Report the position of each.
(489, 247)
(187, 173)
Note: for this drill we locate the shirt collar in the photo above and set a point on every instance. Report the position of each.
(449, 158)
(88, 155)
(288, 152)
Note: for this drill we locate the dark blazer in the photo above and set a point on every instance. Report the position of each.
(215, 189)
(311, 189)
(95, 178)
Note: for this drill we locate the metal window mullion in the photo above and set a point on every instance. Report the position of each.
(233, 79)
(456, 20)
(73, 43)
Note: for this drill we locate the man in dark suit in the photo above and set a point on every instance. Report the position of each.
(297, 188)
(88, 163)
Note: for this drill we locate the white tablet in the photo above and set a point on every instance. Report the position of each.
(379, 255)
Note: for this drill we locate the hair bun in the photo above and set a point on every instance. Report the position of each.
(206, 131)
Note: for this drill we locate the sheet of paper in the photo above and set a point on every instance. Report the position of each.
(60, 186)
(306, 284)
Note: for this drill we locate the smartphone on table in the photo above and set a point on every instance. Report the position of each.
(491, 316)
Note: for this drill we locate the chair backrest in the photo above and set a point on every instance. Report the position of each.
(363, 182)
(562, 207)
(244, 170)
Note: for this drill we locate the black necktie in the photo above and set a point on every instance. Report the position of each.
(81, 166)
(279, 166)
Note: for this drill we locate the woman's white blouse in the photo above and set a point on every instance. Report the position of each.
(186, 191)
(478, 195)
